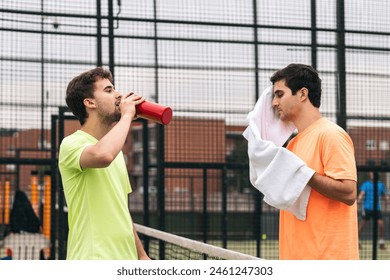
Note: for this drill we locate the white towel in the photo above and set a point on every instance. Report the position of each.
(276, 172)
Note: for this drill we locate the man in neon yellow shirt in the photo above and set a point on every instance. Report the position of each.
(330, 228)
(93, 170)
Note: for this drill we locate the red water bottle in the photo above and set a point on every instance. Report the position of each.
(154, 112)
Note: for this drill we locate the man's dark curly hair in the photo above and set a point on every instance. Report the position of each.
(81, 87)
(297, 76)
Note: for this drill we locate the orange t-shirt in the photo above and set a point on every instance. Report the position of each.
(330, 229)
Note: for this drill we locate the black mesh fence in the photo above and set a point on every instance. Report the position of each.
(209, 61)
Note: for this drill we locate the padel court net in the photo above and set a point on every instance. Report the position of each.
(166, 246)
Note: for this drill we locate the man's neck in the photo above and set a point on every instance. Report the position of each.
(306, 119)
(95, 128)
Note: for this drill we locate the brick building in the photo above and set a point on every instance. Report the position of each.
(188, 140)
(372, 145)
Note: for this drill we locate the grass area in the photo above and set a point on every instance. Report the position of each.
(366, 251)
(2, 251)
(270, 249)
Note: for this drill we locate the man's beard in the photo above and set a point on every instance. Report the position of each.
(109, 119)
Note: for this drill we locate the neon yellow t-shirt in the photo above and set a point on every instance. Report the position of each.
(99, 220)
(330, 230)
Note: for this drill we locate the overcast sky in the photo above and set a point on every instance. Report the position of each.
(196, 78)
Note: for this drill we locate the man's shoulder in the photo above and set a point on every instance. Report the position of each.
(331, 130)
(366, 184)
(76, 137)
(330, 126)
(74, 141)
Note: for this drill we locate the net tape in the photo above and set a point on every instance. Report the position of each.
(197, 247)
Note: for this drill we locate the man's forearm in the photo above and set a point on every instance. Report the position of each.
(140, 248)
(340, 190)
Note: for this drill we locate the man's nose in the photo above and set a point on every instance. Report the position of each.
(274, 102)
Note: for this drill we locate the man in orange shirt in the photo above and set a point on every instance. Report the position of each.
(330, 230)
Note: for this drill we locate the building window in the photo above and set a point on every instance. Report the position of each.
(137, 159)
(152, 158)
(137, 136)
(11, 167)
(384, 145)
(11, 150)
(370, 145)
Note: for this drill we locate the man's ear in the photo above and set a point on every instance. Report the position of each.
(303, 94)
(89, 103)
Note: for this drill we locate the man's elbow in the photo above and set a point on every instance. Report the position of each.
(98, 161)
(350, 200)
(105, 160)
(351, 193)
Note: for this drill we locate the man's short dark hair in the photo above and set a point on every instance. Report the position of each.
(81, 87)
(297, 76)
